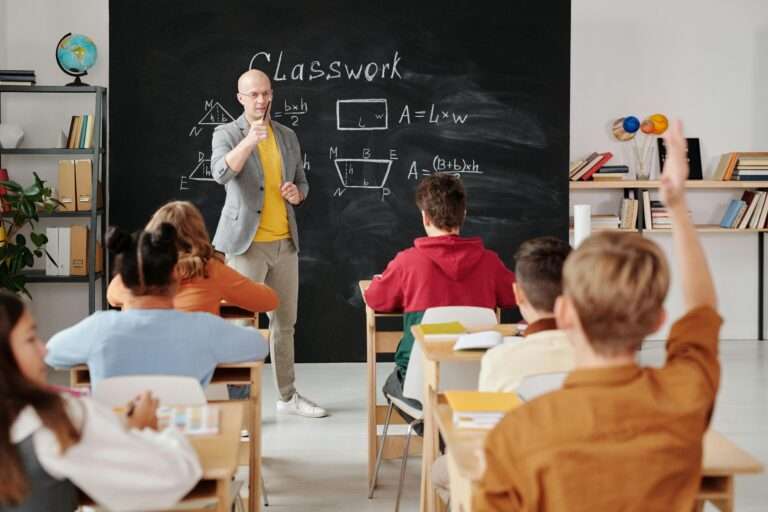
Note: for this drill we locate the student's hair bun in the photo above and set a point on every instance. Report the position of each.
(164, 235)
(118, 241)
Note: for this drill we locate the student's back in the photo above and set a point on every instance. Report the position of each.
(154, 341)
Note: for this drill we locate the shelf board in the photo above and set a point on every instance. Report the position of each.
(654, 184)
(46, 151)
(51, 88)
(710, 228)
(623, 230)
(65, 215)
(38, 276)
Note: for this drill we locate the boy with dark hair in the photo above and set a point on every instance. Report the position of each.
(441, 269)
(618, 436)
(539, 274)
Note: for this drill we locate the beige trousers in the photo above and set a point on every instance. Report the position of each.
(276, 264)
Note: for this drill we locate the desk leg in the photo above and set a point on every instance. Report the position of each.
(726, 504)
(222, 495)
(373, 433)
(431, 445)
(254, 428)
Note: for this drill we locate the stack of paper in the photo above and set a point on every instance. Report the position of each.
(478, 340)
(477, 409)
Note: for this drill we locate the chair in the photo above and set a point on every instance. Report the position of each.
(469, 316)
(169, 389)
(540, 384)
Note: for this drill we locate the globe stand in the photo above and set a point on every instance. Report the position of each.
(77, 82)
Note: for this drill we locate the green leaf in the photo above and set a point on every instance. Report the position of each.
(20, 240)
(38, 253)
(29, 259)
(32, 190)
(38, 238)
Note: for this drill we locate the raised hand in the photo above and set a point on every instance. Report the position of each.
(675, 167)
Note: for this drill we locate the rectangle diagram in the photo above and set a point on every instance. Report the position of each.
(362, 115)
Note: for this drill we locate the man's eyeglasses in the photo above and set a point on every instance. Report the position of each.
(255, 95)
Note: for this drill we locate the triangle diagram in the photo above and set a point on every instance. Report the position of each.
(216, 115)
(202, 171)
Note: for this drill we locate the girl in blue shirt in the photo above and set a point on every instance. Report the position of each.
(152, 337)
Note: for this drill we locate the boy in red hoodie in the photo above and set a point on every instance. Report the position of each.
(441, 269)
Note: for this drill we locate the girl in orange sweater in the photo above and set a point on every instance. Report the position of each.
(204, 279)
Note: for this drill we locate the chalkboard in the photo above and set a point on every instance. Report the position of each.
(380, 94)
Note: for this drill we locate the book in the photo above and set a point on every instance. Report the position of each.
(482, 410)
(755, 160)
(581, 166)
(647, 210)
(88, 144)
(75, 135)
(739, 215)
(722, 165)
(17, 72)
(478, 340)
(730, 213)
(607, 177)
(199, 420)
(442, 331)
(83, 131)
(613, 169)
(14, 82)
(759, 203)
(71, 131)
(748, 197)
(731, 167)
(594, 167)
(763, 214)
(693, 154)
(634, 213)
(750, 178)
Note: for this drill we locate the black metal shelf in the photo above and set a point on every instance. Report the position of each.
(47, 151)
(51, 88)
(38, 276)
(66, 215)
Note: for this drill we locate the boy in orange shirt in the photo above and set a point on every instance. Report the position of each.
(618, 436)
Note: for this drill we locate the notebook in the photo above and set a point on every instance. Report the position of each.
(481, 410)
(442, 331)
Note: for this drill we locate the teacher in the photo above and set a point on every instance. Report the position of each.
(259, 163)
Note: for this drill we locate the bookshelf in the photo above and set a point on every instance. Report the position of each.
(639, 186)
(97, 154)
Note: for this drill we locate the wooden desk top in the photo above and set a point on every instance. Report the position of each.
(721, 456)
(227, 373)
(442, 351)
(219, 453)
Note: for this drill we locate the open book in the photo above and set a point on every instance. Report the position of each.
(477, 409)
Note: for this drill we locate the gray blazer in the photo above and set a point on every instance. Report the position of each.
(241, 213)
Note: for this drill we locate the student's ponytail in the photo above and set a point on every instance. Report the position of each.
(146, 259)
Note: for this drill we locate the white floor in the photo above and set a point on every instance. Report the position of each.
(320, 464)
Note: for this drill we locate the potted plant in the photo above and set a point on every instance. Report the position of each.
(20, 209)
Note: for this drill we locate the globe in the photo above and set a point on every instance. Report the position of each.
(75, 55)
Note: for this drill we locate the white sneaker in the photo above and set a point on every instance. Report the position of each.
(300, 406)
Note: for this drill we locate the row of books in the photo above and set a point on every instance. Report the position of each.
(81, 132)
(749, 212)
(739, 167)
(582, 170)
(17, 77)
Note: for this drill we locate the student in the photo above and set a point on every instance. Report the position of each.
(53, 444)
(441, 269)
(618, 436)
(539, 274)
(204, 279)
(539, 281)
(151, 337)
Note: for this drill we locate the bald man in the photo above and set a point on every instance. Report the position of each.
(259, 163)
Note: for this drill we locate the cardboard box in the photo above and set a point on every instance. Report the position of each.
(52, 247)
(84, 186)
(79, 252)
(67, 186)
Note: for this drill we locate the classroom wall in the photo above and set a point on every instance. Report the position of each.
(29, 32)
(703, 61)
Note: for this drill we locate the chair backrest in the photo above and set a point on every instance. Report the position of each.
(452, 375)
(540, 384)
(170, 390)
